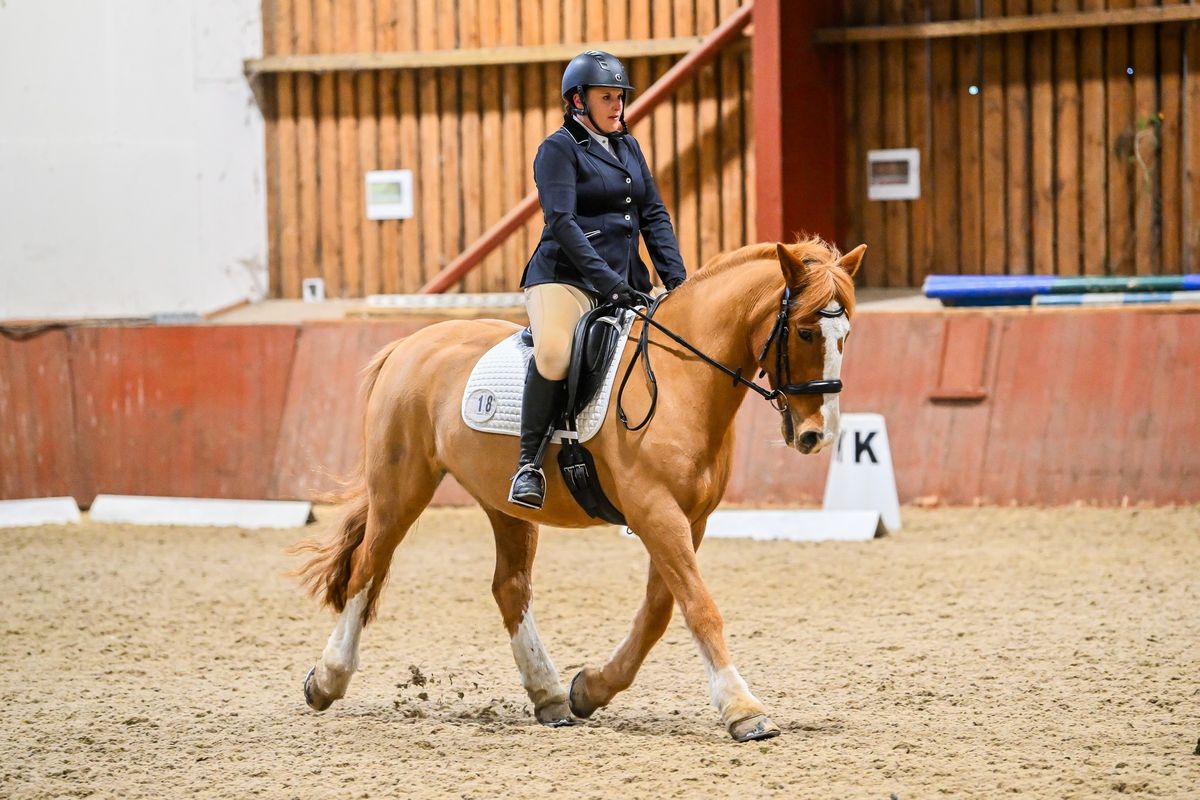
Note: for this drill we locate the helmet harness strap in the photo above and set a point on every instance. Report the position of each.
(585, 110)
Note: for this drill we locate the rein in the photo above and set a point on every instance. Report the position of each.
(782, 367)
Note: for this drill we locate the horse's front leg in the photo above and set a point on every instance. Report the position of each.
(667, 537)
(594, 688)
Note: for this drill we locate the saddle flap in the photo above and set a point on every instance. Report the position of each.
(597, 339)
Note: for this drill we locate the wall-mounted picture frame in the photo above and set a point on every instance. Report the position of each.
(390, 194)
(894, 174)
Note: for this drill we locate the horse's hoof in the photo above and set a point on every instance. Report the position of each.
(555, 715)
(753, 728)
(577, 697)
(312, 693)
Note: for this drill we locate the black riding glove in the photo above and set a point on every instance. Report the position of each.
(625, 296)
(672, 284)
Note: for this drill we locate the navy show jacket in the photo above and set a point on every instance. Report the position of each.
(596, 205)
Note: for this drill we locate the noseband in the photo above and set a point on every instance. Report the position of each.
(776, 396)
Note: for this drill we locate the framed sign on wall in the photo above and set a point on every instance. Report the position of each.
(390, 194)
(894, 174)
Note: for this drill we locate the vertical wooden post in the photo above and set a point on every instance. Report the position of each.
(993, 146)
(1016, 142)
(1093, 152)
(945, 151)
(1067, 143)
(366, 104)
(798, 119)
(470, 134)
(970, 139)
(687, 221)
(1119, 88)
(896, 213)
(1041, 158)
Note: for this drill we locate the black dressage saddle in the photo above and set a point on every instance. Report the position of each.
(596, 340)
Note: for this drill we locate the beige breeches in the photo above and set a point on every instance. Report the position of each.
(554, 309)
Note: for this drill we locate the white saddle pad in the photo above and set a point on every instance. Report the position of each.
(492, 400)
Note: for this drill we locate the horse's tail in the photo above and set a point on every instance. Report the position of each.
(375, 366)
(326, 574)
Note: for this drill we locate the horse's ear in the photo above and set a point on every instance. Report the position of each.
(794, 270)
(851, 260)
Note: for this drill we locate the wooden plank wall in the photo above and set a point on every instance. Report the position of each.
(469, 135)
(1068, 152)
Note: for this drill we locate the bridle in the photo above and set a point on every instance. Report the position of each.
(783, 366)
(777, 396)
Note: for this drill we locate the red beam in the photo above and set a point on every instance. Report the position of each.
(798, 128)
(716, 41)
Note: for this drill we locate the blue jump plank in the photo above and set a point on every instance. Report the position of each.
(991, 290)
(967, 287)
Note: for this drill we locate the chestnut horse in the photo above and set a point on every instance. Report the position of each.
(666, 478)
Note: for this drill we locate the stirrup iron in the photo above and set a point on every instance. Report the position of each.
(533, 467)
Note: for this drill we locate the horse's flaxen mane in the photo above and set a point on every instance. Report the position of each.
(826, 281)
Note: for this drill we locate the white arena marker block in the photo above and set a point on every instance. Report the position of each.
(38, 511)
(860, 476)
(795, 525)
(201, 511)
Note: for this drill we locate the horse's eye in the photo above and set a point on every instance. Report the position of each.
(805, 334)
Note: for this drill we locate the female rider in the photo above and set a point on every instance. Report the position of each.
(598, 198)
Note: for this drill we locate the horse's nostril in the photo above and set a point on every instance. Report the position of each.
(809, 439)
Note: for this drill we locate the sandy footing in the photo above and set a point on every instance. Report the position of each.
(980, 653)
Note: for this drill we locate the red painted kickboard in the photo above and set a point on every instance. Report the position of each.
(37, 437)
(189, 411)
(320, 447)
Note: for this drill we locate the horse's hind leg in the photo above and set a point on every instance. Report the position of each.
(512, 586)
(396, 496)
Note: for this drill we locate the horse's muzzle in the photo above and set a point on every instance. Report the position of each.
(809, 441)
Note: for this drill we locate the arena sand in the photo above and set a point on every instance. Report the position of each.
(980, 653)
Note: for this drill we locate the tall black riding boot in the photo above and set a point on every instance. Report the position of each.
(539, 409)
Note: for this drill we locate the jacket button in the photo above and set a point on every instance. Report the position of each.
(629, 180)
(629, 236)
(626, 216)
(628, 199)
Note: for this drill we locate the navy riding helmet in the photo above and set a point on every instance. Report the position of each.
(595, 68)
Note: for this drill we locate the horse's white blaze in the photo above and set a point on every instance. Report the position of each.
(834, 331)
(538, 675)
(340, 658)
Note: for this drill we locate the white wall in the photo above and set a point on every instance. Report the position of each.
(131, 157)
